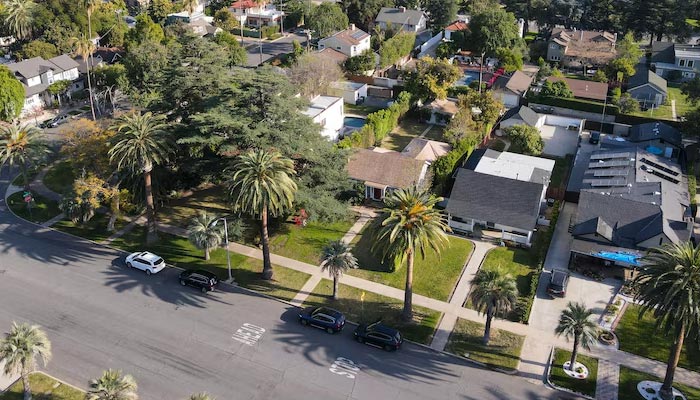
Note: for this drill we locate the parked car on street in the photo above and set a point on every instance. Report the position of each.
(200, 279)
(379, 335)
(558, 282)
(145, 261)
(330, 320)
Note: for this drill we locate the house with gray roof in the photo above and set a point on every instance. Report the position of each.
(682, 60)
(648, 88)
(406, 20)
(511, 89)
(501, 192)
(37, 74)
(381, 171)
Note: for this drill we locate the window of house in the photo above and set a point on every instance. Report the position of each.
(681, 63)
(458, 219)
(338, 48)
(690, 63)
(553, 46)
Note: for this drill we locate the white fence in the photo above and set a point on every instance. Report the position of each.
(430, 43)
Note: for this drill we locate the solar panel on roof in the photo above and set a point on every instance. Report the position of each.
(357, 34)
(608, 164)
(611, 172)
(609, 156)
(608, 182)
(659, 166)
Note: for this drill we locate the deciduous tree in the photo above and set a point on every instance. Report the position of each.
(431, 78)
(314, 73)
(326, 19)
(440, 13)
(11, 95)
(525, 137)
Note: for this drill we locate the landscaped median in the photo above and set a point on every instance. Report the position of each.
(43, 387)
(629, 378)
(503, 350)
(558, 377)
(42, 209)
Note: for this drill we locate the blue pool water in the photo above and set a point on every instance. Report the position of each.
(628, 258)
(655, 150)
(468, 77)
(354, 122)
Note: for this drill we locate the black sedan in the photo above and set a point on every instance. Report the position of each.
(379, 335)
(201, 279)
(330, 320)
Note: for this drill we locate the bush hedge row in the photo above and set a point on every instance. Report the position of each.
(379, 124)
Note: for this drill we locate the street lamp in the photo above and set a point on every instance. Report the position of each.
(228, 254)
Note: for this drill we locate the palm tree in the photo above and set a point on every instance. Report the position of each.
(668, 288)
(262, 184)
(203, 233)
(493, 293)
(19, 350)
(18, 17)
(190, 5)
(201, 396)
(22, 145)
(84, 47)
(336, 258)
(411, 223)
(575, 321)
(112, 385)
(140, 144)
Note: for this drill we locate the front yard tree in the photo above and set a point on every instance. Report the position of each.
(493, 293)
(525, 137)
(23, 146)
(337, 259)
(326, 19)
(11, 95)
(139, 145)
(410, 224)
(262, 185)
(575, 322)
(440, 13)
(84, 47)
(668, 289)
(203, 233)
(691, 89)
(19, 350)
(112, 385)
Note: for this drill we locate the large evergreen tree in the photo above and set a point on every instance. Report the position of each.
(11, 95)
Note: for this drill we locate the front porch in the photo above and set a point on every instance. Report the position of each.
(489, 231)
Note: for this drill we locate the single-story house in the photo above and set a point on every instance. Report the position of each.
(37, 74)
(402, 19)
(500, 191)
(329, 112)
(441, 111)
(351, 42)
(383, 170)
(353, 92)
(648, 88)
(511, 89)
(457, 26)
(425, 149)
(583, 89)
(522, 115)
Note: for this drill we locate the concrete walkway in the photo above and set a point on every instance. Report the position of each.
(425, 132)
(673, 110)
(6, 380)
(38, 187)
(608, 378)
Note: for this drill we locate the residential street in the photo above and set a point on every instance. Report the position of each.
(176, 341)
(270, 49)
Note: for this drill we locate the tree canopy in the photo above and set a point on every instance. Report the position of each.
(492, 29)
(440, 13)
(431, 78)
(326, 19)
(11, 95)
(396, 47)
(526, 138)
(556, 89)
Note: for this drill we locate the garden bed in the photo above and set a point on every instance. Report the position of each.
(42, 210)
(629, 378)
(503, 350)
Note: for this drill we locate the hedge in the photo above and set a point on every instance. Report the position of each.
(379, 124)
(576, 104)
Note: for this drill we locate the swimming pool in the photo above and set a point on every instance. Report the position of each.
(354, 122)
(628, 258)
(467, 78)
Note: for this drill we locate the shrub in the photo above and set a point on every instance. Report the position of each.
(395, 48)
(525, 137)
(379, 124)
(270, 30)
(444, 166)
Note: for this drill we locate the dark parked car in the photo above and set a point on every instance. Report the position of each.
(203, 280)
(557, 283)
(594, 138)
(323, 318)
(380, 335)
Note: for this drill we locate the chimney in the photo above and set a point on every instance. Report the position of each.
(402, 9)
(352, 27)
(582, 35)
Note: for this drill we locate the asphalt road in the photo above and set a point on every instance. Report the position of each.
(271, 49)
(177, 341)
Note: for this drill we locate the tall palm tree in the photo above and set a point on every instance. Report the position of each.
(493, 293)
(21, 145)
(84, 47)
(410, 223)
(112, 385)
(336, 258)
(575, 321)
(262, 185)
(140, 144)
(19, 350)
(190, 5)
(18, 17)
(669, 288)
(201, 396)
(203, 233)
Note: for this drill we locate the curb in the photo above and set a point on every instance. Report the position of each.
(549, 383)
(62, 382)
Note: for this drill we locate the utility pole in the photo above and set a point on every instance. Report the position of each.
(261, 53)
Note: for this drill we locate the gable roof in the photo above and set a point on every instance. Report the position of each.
(518, 83)
(352, 35)
(391, 169)
(333, 54)
(245, 4)
(64, 62)
(577, 43)
(457, 26)
(523, 113)
(644, 77)
(495, 199)
(426, 150)
(444, 106)
(656, 131)
(662, 52)
(36, 66)
(584, 89)
(399, 16)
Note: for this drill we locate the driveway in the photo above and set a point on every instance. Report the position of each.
(558, 141)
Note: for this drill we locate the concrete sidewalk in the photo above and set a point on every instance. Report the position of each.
(6, 380)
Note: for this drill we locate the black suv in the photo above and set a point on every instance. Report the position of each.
(203, 280)
(380, 335)
(330, 320)
(594, 138)
(557, 283)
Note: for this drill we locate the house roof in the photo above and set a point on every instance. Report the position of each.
(386, 168)
(655, 131)
(64, 62)
(31, 67)
(426, 150)
(584, 89)
(399, 16)
(495, 199)
(320, 104)
(581, 43)
(443, 106)
(333, 54)
(518, 83)
(352, 35)
(662, 52)
(245, 4)
(523, 113)
(647, 77)
(512, 165)
(457, 26)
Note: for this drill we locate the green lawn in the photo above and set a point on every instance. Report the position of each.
(306, 243)
(693, 22)
(178, 251)
(629, 378)
(436, 133)
(42, 209)
(360, 110)
(43, 387)
(664, 111)
(503, 350)
(95, 229)
(639, 337)
(376, 306)
(178, 212)
(433, 276)
(560, 378)
(520, 263)
(408, 129)
(60, 177)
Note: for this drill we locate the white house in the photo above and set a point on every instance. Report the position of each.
(511, 89)
(351, 42)
(329, 112)
(353, 92)
(253, 13)
(684, 58)
(37, 74)
(402, 19)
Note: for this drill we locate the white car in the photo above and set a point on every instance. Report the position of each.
(145, 261)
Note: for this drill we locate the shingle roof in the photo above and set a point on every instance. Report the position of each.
(333, 54)
(655, 131)
(644, 77)
(64, 62)
(37, 66)
(399, 16)
(445, 106)
(391, 168)
(584, 89)
(491, 198)
(518, 83)
(523, 113)
(424, 149)
(662, 52)
(351, 36)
